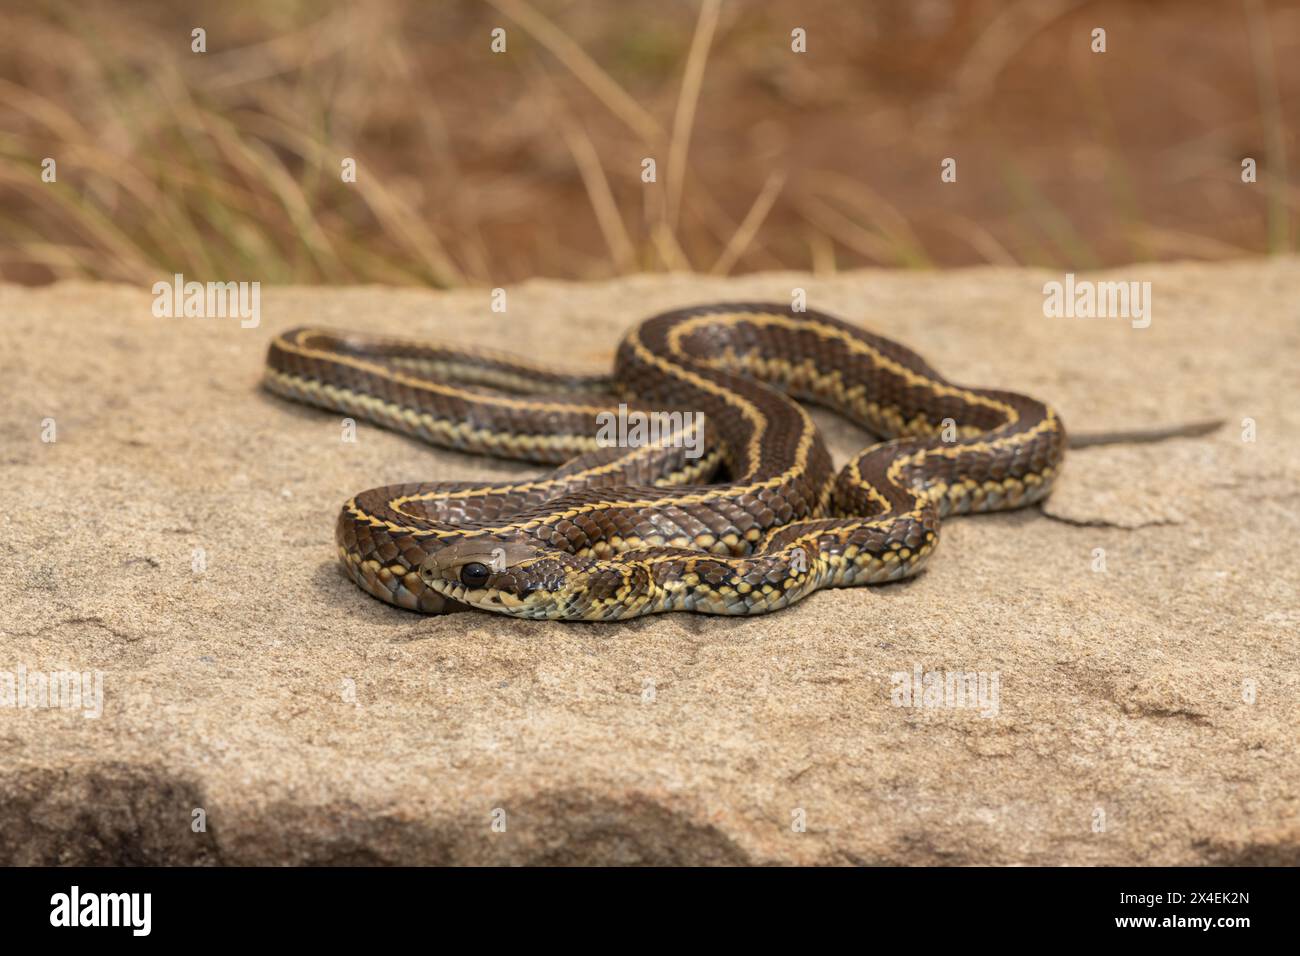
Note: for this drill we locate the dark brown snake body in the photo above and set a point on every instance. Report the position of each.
(620, 532)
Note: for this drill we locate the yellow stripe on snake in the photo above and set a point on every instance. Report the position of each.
(618, 532)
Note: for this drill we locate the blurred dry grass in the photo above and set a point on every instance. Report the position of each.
(478, 167)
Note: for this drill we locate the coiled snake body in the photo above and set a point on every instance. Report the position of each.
(619, 532)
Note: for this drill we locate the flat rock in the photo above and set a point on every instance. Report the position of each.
(177, 536)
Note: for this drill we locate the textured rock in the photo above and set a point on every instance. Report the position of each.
(314, 724)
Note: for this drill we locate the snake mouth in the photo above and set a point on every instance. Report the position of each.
(487, 599)
(446, 589)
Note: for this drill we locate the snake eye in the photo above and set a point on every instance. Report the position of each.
(474, 575)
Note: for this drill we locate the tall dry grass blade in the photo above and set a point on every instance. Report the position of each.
(671, 255)
(981, 240)
(286, 53)
(1049, 218)
(25, 247)
(400, 222)
(750, 225)
(1270, 107)
(126, 260)
(663, 241)
(688, 98)
(883, 215)
(621, 249)
(262, 163)
(846, 232)
(821, 253)
(588, 72)
(45, 111)
(1189, 245)
(1013, 26)
(396, 216)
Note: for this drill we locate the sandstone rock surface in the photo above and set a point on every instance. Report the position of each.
(1147, 712)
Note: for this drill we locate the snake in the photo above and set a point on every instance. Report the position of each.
(733, 508)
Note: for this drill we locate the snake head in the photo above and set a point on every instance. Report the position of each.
(508, 577)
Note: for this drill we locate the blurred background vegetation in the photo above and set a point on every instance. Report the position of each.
(475, 167)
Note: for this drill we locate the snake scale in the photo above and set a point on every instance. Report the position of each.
(753, 520)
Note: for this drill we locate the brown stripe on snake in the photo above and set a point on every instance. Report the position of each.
(619, 532)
